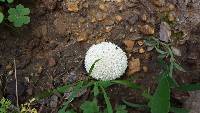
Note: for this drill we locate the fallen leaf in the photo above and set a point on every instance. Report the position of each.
(147, 30)
(129, 44)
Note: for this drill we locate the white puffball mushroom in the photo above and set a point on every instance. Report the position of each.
(111, 64)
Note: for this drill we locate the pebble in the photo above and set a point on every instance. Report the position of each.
(118, 18)
(141, 50)
(54, 101)
(147, 30)
(73, 6)
(144, 17)
(129, 44)
(165, 32)
(145, 69)
(103, 7)
(171, 16)
(83, 36)
(10, 72)
(140, 42)
(134, 66)
(176, 51)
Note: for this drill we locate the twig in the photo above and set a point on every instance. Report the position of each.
(16, 89)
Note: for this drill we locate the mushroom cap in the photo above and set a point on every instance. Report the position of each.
(111, 61)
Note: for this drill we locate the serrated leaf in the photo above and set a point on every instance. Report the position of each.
(19, 15)
(177, 66)
(90, 107)
(92, 67)
(127, 83)
(179, 110)
(121, 109)
(1, 17)
(108, 104)
(160, 101)
(189, 87)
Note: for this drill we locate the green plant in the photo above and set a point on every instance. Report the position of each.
(18, 16)
(159, 102)
(4, 105)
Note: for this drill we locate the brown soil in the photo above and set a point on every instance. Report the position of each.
(50, 50)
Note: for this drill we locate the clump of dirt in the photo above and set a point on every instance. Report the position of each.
(50, 50)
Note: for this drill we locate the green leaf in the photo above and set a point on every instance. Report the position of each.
(179, 110)
(127, 83)
(92, 67)
(90, 107)
(108, 104)
(63, 89)
(104, 84)
(96, 89)
(160, 101)
(177, 66)
(189, 87)
(19, 15)
(2, 0)
(140, 106)
(121, 109)
(1, 17)
(160, 51)
(10, 1)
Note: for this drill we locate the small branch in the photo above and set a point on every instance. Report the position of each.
(16, 89)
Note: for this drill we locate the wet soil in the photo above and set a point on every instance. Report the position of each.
(50, 50)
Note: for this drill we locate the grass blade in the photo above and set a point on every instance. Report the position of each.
(189, 87)
(179, 110)
(92, 67)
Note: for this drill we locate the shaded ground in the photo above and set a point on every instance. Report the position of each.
(50, 50)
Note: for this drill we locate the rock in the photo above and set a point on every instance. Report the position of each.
(10, 72)
(133, 66)
(147, 30)
(159, 3)
(108, 29)
(103, 7)
(129, 44)
(165, 32)
(144, 17)
(118, 18)
(83, 36)
(145, 69)
(100, 16)
(141, 50)
(171, 16)
(176, 51)
(54, 101)
(140, 42)
(73, 6)
(52, 62)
